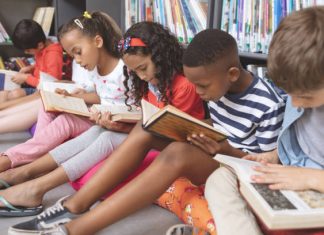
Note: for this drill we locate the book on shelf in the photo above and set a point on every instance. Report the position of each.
(120, 113)
(4, 37)
(175, 124)
(44, 16)
(54, 102)
(5, 80)
(184, 18)
(278, 209)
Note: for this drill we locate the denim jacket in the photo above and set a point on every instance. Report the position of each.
(289, 150)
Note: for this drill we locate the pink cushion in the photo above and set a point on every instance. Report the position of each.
(78, 184)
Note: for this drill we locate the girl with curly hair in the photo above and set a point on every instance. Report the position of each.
(154, 72)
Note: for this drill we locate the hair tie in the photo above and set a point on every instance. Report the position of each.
(87, 15)
(128, 42)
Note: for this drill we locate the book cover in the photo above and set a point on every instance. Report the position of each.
(58, 103)
(278, 209)
(172, 123)
(5, 80)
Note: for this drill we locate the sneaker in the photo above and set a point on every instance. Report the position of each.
(184, 229)
(56, 230)
(47, 220)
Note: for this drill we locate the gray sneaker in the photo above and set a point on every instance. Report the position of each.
(45, 222)
(56, 230)
(184, 229)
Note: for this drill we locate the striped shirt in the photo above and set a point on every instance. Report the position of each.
(252, 119)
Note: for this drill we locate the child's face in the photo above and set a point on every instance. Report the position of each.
(311, 99)
(212, 82)
(34, 51)
(143, 66)
(83, 49)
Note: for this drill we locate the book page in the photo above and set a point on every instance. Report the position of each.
(52, 86)
(5, 80)
(45, 77)
(148, 110)
(56, 102)
(116, 109)
(242, 167)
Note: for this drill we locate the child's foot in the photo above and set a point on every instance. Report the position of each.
(5, 163)
(26, 195)
(14, 176)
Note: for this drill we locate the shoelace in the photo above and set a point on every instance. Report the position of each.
(51, 211)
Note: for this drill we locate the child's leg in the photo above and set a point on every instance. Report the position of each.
(12, 94)
(101, 148)
(121, 163)
(12, 120)
(230, 210)
(18, 195)
(63, 127)
(187, 201)
(178, 159)
(21, 100)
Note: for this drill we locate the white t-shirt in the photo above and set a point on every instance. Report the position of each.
(110, 87)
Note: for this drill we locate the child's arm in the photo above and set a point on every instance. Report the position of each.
(27, 69)
(89, 97)
(20, 78)
(290, 177)
(212, 147)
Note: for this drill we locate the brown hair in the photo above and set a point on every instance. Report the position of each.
(296, 53)
(99, 23)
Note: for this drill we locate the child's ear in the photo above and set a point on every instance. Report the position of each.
(40, 45)
(234, 74)
(98, 41)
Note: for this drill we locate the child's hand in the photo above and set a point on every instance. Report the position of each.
(62, 92)
(78, 91)
(20, 78)
(26, 69)
(266, 157)
(104, 120)
(285, 177)
(209, 145)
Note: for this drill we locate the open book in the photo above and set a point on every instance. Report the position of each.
(54, 102)
(5, 80)
(278, 209)
(120, 113)
(175, 124)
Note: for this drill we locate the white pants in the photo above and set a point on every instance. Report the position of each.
(230, 211)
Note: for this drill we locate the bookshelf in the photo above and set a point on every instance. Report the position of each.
(12, 11)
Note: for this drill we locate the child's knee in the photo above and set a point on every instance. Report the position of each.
(220, 180)
(17, 93)
(174, 155)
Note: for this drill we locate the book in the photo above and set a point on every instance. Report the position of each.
(120, 113)
(54, 102)
(175, 124)
(5, 80)
(44, 16)
(278, 209)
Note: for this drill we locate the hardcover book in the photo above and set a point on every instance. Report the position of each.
(175, 124)
(278, 209)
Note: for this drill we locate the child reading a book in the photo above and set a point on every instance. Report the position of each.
(169, 86)
(212, 64)
(295, 63)
(10, 118)
(29, 36)
(96, 51)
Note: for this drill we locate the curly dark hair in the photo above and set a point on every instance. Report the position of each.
(99, 24)
(166, 53)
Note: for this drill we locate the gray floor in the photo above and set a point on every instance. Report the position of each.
(150, 221)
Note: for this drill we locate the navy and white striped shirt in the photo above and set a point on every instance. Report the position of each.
(252, 120)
